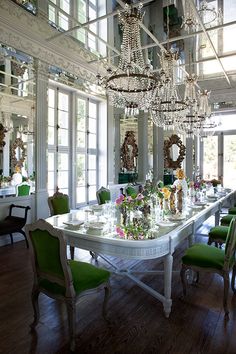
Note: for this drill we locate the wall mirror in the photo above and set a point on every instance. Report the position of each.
(174, 152)
(18, 153)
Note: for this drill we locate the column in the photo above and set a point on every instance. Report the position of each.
(158, 153)
(41, 206)
(142, 146)
(189, 158)
(220, 157)
(201, 156)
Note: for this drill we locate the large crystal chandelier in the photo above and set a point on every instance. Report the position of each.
(168, 106)
(131, 85)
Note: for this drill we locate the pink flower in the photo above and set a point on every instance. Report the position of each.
(120, 232)
(120, 199)
(129, 199)
(140, 196)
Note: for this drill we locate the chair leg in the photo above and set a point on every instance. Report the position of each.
(183, 279)
(209, 241)
(226, 291)
(105, 302)
(233, 279)
(72, 252)
(23, 233)
(34, 299)
(11, 239)
(71, 310)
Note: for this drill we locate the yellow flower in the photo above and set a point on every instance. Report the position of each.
(167, 194)
(180, 173)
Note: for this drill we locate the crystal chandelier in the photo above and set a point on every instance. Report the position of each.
(206, 12)
(167, 107)
(131, 85)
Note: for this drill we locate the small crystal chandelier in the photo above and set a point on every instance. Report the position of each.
(167, 106)
(207, 13)
(131, 85)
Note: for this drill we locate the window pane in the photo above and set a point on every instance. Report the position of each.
(229, 161)
(63, 179)
(63, 100)
(51, 98)
(65, 5)
(63, 21)
(80, 170)
(62, 137)
(50, 161)
(92, 193)
(80, 35)
(92, 110)
(51, 180)
(51, 136)
(81, 107)
(92, 125)
(91, 41)
(51, 14)
(92, 177)
(51, 118)
(63, 161)
(210, 159)
(81, 123)
(80, 139)
(92, 162)
(63, 119)
(80, 195)
(92, 141)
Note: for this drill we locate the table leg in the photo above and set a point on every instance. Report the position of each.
(217, 217)
(168, 263)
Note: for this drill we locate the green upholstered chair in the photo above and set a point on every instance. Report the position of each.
(232, 211)
(58, 277)
(131, 191)
(225, 220)
(22, 189)
(15, 221)
(103, 195)
(58, 203)
(201, 257)
(218, 235)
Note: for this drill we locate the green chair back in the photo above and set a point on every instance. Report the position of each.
(131, 191)
(59, 203)
(22, 189)
(230, 245)
(103, 195)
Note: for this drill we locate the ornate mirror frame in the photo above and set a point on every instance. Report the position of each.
(18, 143)
(168, 161)
(129, 152)
(2, 136)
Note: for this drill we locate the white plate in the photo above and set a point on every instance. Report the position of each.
(177, 217)
(73, 225)
(166, 223)
(194, 206)
(98, 225)
(200, 203)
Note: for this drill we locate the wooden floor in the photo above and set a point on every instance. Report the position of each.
(196, 324)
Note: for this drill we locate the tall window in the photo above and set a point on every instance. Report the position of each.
(229, 174)
(77, 177)
(58, 141)
(86, 151)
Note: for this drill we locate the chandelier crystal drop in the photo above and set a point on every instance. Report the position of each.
(131, 85)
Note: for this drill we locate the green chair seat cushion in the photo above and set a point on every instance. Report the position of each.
(219, 232)
(130, 191)
(204, 256)
(60, 205)
(225, 220)
(85, 276)
(232, 211)
(104, 196)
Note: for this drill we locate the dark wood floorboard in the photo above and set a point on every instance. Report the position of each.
(137, 324)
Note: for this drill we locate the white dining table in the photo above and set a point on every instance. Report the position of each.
(166, 239)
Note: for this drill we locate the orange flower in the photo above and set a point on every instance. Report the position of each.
(180, 173)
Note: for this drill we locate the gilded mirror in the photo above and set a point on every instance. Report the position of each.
(18, 153)
(171, 145)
